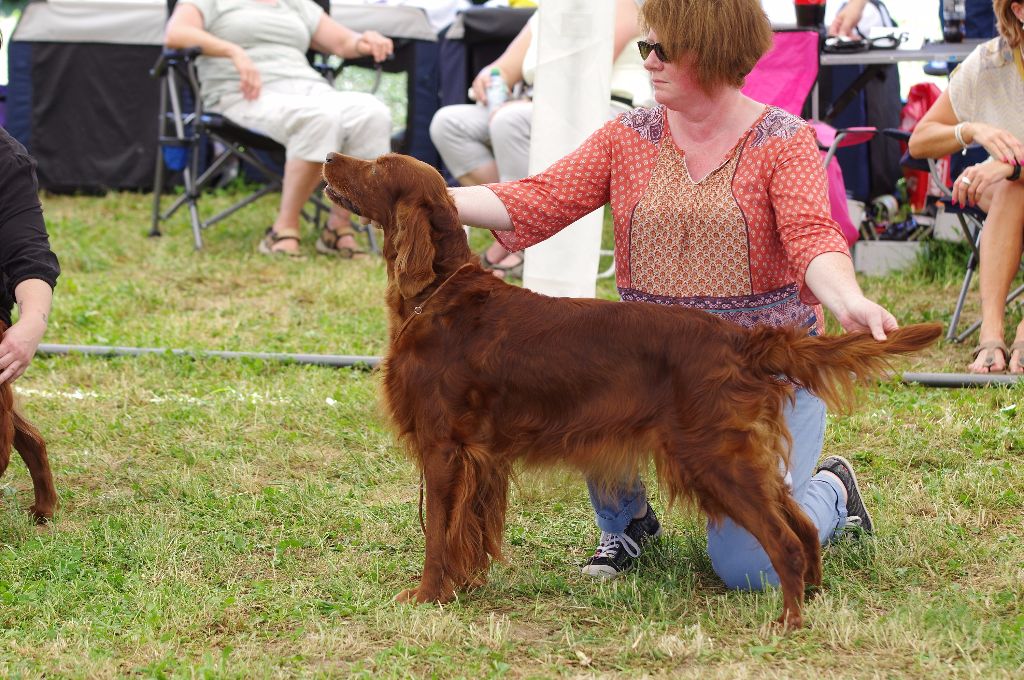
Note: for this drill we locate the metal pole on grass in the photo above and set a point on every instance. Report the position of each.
(337, 360)
(960, 379)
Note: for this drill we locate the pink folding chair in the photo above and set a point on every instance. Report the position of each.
(784, 77)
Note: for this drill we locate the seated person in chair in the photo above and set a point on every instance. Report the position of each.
(982, 106)
(479, 147)
(254, 72)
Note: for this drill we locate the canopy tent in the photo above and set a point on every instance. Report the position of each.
(80, 97)
(82, 101)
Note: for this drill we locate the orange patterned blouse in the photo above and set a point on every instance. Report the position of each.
(736, 243)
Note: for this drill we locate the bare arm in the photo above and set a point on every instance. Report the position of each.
(479, 207)
(333, 38)
(186, 28)
(510, 63)
(831, 278)
(847, 18)
(626, 26)
(935, 136)
(19, 344)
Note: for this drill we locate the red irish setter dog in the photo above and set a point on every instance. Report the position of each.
(16, 431)
(480, 374)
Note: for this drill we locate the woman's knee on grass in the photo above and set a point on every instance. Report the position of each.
(741, 564)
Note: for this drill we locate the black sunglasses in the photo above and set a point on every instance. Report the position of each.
(646, 48)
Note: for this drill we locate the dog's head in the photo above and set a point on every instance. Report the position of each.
(409, 201)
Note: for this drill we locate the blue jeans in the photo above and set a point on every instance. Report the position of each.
(737, 557)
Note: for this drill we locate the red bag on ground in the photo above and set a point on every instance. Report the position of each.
(919, 183)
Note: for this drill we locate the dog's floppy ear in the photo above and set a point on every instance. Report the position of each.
(414, 247)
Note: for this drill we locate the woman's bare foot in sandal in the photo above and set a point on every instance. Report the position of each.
(990, 356)
(339, 239)
(511, 267)
(493, 255)
(280, 243)
(1017, 352)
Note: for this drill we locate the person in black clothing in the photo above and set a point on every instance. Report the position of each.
(28, 268)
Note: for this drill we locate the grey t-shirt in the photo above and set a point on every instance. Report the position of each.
(275, 35)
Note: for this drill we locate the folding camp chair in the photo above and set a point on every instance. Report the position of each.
(784, 77)
(187, 133)
(971, 220)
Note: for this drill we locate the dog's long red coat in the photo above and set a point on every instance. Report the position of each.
(480, 374)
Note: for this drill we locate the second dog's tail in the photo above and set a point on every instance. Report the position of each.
(829, 365)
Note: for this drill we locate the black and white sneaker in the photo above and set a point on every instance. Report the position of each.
(857, 517)
(617, 553)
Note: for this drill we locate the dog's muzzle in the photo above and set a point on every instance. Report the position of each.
(342, 201)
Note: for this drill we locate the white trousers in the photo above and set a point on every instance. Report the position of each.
(310, 119)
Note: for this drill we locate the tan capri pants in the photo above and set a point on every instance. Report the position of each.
(467, 137)
(310, 119)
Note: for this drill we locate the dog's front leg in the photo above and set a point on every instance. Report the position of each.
(439, 473)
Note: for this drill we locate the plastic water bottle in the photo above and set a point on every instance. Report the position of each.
(497, 93)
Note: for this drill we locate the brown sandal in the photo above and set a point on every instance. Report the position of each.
(271, 238)
(514, 271)
(1019, 348)
(989, 348)
(328, 244)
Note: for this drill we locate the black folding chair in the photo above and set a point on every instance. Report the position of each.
(187, 134)
(971, 220)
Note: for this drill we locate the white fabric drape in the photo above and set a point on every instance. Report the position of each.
(570, 101)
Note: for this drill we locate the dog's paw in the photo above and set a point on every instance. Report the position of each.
(789, 622)
(419, 595)
(407, 595)
(41, 516)
(475, 583)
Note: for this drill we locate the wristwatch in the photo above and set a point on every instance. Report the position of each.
(1015, 175)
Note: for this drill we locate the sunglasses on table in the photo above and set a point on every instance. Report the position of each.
(863, 44)
(647, 47)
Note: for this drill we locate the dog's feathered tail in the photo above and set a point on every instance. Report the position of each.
(830, 365)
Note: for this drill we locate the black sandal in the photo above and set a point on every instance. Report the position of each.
(271, 238)
(514, 271)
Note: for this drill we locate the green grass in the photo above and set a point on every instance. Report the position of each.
(247, 519)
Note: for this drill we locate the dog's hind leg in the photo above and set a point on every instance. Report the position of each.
(763, 517)
(749, 489)
(32, 447)
(805, 530)
(6, 424)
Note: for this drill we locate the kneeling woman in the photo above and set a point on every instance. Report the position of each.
(719, 203)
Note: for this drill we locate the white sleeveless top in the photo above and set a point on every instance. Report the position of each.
(988, 87)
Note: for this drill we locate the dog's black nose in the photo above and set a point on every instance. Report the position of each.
(330, 157)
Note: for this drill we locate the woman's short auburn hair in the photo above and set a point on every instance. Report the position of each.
(725, 38)
(1009, 24)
